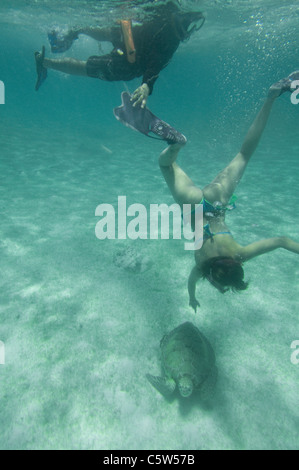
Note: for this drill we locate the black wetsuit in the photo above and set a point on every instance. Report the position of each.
(156, 40)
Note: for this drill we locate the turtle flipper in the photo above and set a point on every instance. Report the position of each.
(164, 385)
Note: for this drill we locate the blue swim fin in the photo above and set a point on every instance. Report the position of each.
(144, 121)
(40, 69)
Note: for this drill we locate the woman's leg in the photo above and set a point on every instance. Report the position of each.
(181, 186)
(223, 186)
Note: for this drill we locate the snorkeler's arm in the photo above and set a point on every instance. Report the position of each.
(142, 93)
(265, 246)
(195, 275)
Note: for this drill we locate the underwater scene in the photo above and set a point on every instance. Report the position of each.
(106, 339)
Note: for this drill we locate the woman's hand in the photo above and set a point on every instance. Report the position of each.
(194, 304)
(140, 95)
(195, 275)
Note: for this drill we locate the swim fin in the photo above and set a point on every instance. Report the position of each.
(144, 121)
(285, 83)
(40, 69)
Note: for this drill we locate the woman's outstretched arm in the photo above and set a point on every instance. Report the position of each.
(267, 245)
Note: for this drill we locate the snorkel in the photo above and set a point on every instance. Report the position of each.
(216, 284)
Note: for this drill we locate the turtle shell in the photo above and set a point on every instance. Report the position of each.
(186, 351)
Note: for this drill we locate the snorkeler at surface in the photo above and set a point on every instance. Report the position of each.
(221, 258)
(138, 49)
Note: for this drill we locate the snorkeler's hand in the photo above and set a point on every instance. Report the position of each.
(140, 95)
(194, 304)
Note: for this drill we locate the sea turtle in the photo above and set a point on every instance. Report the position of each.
(188, 362)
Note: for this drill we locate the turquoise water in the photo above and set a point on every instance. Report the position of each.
(80, 332)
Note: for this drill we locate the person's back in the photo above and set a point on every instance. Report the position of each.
(156, 41)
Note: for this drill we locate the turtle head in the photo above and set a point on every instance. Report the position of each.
(185, 386)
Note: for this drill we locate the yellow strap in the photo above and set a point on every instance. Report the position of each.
(126, 27)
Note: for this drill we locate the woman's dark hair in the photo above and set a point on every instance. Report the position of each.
(224, 273)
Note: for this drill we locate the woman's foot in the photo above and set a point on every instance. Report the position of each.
(167, 133)
(283, 85)
(169, 155)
